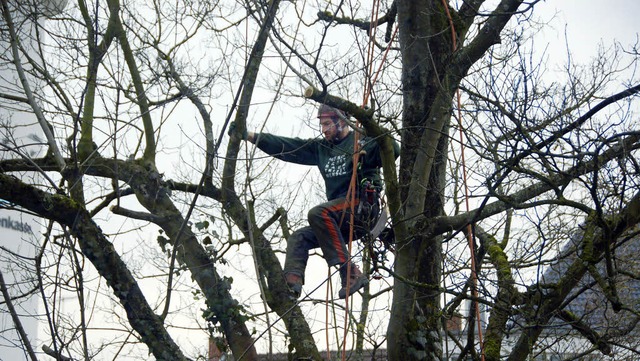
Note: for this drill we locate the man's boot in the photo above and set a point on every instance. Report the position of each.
(357, 280)
(294, 281)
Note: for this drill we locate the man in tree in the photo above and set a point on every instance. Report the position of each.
(329, 225)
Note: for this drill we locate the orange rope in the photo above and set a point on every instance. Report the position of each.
(368, 86)
(351, 193)
(474, 275)
(356, 156)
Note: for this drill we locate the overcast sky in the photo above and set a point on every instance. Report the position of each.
(590, 23)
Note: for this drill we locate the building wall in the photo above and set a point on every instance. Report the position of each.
(20, 136)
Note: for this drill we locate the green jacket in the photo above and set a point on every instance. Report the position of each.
(335, 160)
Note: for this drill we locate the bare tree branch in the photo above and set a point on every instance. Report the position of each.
(16, 319)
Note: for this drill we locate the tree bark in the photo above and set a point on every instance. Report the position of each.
(97, 248)
(431, 72)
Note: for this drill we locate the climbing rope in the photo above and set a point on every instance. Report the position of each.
(470, 231)
(370, 80)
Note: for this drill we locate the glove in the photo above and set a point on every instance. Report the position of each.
(232, 130)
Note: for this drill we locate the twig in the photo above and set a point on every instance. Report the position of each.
(16, 319)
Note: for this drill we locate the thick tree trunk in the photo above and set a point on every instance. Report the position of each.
(414, 327)
(431, 72)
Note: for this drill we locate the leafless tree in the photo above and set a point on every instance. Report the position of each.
(148, 207)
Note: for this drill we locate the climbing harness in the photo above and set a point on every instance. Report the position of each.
(369, 203)
(375, 217)
(368, 193)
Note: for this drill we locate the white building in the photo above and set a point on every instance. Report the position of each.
(20, 136)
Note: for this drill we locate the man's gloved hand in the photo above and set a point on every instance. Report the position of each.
(232, 130)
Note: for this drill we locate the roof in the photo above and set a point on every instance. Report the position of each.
(588, 301)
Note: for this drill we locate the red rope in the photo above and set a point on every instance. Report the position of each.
(474, 275)
(351, 193)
